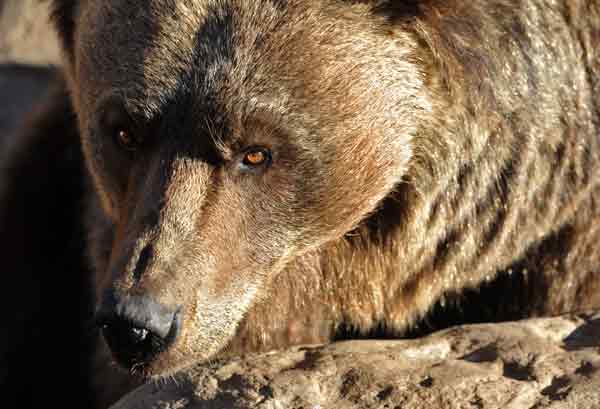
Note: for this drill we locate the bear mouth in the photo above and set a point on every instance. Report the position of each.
(136, 346)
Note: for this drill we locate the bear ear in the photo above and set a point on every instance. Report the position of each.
(62, 14)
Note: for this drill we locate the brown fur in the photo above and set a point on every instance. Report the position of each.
(421, 149)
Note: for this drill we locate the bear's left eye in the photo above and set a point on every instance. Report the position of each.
(254, 157)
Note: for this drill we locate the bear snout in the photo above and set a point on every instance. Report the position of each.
(137, 328)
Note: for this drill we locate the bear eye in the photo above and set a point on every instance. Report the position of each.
(126, 139)
(118, 124)
(256, 157)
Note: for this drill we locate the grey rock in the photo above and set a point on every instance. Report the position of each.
(536, 363)
(26, 36)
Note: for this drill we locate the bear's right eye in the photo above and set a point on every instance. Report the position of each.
(126, 139)
(118, 125)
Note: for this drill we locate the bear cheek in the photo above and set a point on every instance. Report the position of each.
(212, 318)
(109, 173)
(106, 191)
(359, 183)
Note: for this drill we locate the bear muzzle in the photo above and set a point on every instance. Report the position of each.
(137, 328)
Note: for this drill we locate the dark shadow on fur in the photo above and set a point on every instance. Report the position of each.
(514, 294)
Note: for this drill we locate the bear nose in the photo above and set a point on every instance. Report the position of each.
(137, 328)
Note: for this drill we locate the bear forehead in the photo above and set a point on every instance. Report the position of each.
(323, 65)
(151, 51)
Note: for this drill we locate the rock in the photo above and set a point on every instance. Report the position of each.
(25, 33)
(28, 49)
(536, 363)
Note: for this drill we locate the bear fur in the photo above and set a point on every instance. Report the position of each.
(429, 163)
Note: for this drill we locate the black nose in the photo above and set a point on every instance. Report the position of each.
(137, 328)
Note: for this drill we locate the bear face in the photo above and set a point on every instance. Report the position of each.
(225, 139)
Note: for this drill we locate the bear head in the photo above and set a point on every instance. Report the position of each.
(224, 139)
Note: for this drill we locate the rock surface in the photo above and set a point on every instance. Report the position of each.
(28, 51)
(536, 363)
(25, 33)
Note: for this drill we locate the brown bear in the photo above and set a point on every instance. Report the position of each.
(257, 174)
